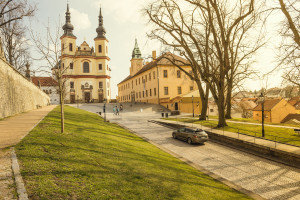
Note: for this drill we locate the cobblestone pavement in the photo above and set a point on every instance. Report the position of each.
(6, 176)
(266, 178)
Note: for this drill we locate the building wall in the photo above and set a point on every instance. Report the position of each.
(257, 115)
(52, 92)
(17, 93)
(281, 110)
(95, 75)
(136, 85)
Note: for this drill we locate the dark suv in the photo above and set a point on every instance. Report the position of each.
(191, 135)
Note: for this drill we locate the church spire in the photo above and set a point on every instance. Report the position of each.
(136, 53)
(101, 30)
(68, 27)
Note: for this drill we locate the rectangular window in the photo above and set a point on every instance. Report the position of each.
(178, 74)
(150, 93)
(166, 90)
(143, 94)
(146, 78)
(153, 75)
(140, 94)
(71, 84)
(179, 90)
(149, 76)
(100, 66)
(191, 88)
(99, 48)
(137, 96)
(146, 93)
(100, 85)
(165, 74)
(70, 47)
(154, 91)
(71, 66)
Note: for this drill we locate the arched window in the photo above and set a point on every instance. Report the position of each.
(86, 67)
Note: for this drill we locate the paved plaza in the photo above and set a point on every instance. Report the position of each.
(266, 178)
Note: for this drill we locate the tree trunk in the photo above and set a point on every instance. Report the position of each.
(221, 110)
(228, 101)
(204, 100)
(62, 114)
(204, 104)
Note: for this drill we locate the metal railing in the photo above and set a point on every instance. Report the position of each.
(239, 132)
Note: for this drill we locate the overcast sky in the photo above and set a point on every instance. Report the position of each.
(124, 22)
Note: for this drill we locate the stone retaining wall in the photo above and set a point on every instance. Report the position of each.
(17, 94)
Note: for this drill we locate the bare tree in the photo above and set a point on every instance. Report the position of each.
(15, 44)
(49, 48)
(212, 37)
(289, 49)
(20, 8)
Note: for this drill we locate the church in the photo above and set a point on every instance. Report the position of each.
(88, 71)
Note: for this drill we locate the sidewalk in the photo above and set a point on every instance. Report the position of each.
(259, 141)
(12, 130)
(15, 128)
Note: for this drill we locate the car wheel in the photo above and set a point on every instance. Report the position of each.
(174, 135)
(189, 141)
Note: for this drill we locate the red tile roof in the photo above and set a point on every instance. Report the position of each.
(291, 117)
(162, 60)
(268, 105)
(293, 101)
(44, 81)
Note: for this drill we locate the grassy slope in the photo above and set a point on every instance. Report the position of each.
(97, 160)
(287, 135)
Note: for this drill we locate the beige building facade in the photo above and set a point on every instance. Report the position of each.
(88, 71)
(157, 82)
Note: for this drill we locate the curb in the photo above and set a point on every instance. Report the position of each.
(211, 174)
(22, 194)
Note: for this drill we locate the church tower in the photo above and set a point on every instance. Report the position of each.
(68, 40)
(137, 60)
(101, 43)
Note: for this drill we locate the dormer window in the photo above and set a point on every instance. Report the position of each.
(99, 48)
(86, 67)
(70, 47)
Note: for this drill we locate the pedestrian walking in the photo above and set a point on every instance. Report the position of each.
(118, 111)
(121, 107)
(114, 110)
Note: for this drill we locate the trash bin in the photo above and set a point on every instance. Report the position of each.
(167, 114)
(162, 114)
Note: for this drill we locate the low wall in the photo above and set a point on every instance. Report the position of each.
(17, 94)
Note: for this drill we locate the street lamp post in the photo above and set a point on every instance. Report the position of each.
(262, 100)
(193, 105)
(104, 110)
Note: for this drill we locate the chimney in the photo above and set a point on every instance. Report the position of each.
(154, 55)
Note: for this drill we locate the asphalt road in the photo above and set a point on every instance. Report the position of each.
(266, 178)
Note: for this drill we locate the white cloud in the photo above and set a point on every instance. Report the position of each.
(79, 19)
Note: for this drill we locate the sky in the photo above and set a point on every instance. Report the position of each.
(124, 21)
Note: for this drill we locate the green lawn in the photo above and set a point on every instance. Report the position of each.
(252, 121)
(97, 160)
(286, 135)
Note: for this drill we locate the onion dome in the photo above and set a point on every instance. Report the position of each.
(136, 53)
(101, 30)
(68, 27)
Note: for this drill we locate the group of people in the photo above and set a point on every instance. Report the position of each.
(117, 110)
